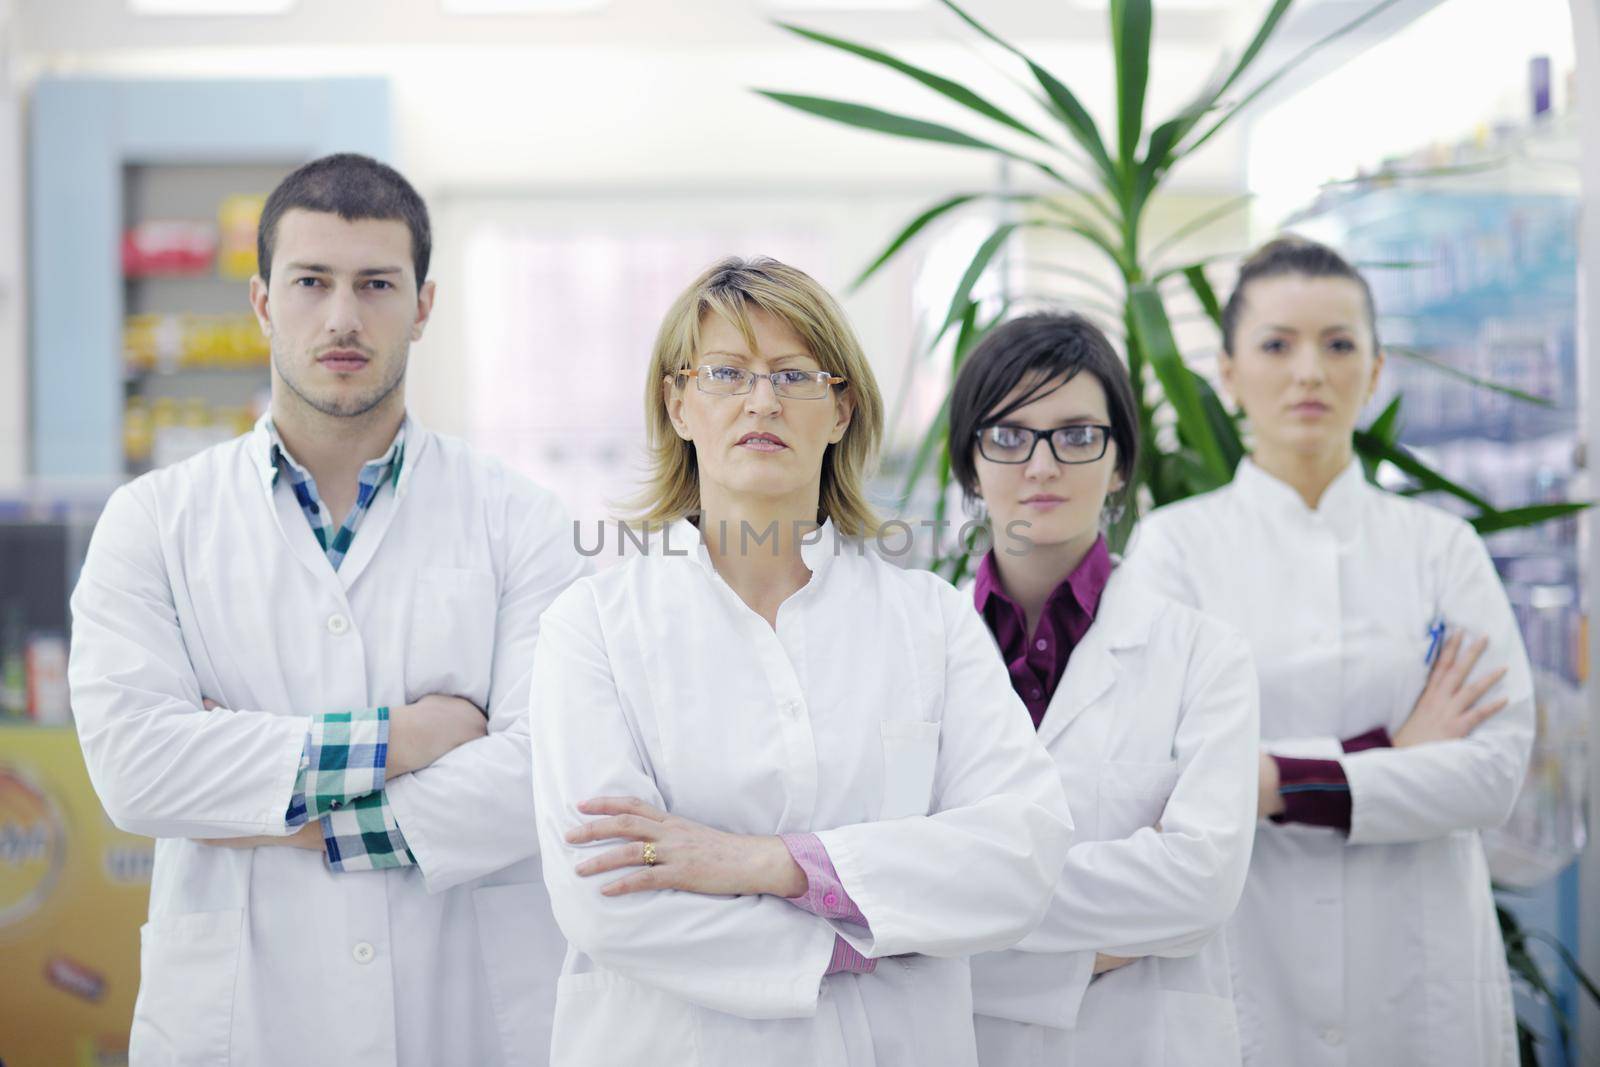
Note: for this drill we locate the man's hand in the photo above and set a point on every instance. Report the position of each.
(1104, 963)
(308, 837)
(422, 732)
(1448, 707)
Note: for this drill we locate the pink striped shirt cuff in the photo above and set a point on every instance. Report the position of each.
(826, 898)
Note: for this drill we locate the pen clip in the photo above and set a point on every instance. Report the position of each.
(1435, 638)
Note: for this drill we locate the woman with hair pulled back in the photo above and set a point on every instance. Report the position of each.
(1396, 700)
(765, 757)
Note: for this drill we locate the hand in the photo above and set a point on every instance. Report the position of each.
(1104, 963)
(1268, 800)
(308, 837)
(1448, 708)
(689, 856)
(422, 732)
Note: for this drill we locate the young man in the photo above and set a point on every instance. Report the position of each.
(280, 649)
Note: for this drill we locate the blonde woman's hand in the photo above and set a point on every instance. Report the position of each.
(1449, 707)
(688, 856)
(1104, 963)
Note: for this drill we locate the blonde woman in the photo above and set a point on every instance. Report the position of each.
(766, 757)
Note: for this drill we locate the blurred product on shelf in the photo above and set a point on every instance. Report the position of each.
(167, 429)
(33, 671)
(236, 221)
(13, 662)
(169, 342)
(46, 666)
(169, 247)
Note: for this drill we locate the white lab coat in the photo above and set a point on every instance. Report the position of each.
(1154, 721)
(1383, 948)
(204, 581)
(876, 715)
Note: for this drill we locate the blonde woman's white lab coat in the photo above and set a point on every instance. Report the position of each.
(203, 581)
(1153, 722)
(1381, 948)
(876, 715)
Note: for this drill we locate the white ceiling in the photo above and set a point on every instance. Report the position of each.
(485, 102)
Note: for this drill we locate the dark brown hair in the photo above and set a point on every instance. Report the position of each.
(1291, 254)
(1043, 351)
(353, 187)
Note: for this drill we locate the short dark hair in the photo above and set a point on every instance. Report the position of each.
(1292, 254)
(353, 187)
(1039, 350)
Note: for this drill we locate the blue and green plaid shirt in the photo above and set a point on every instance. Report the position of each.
(346, 752)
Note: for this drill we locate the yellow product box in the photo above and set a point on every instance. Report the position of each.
(237, 218)
(74, 891)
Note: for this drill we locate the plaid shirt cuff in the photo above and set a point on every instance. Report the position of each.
(345, 757)
(364, 836)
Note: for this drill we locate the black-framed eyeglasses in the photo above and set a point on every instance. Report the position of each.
(736, 381)
(1079, 443)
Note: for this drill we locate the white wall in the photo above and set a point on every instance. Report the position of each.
(1385, 102)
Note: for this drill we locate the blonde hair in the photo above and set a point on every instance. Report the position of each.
(730, 289)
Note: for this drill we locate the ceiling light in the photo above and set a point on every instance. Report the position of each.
(845, 5)
(520, 7)
(210, 7)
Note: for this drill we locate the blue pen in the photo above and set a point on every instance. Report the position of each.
(1435, 638)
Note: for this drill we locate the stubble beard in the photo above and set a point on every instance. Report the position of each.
(341, 407)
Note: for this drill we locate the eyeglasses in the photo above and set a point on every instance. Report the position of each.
(736, 381)
(1080, 443)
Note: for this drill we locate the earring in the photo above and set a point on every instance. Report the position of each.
(1116, 506)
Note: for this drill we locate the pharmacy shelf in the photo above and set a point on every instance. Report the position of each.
(85, 134)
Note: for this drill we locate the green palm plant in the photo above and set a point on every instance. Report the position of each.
(1100, 187)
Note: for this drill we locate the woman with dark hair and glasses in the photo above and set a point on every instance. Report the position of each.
(1397, 707)
(1147, 707)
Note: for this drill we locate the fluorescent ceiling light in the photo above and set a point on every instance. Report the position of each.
(1160, 5)
(845, 5)
(210, 7)
(520, 7)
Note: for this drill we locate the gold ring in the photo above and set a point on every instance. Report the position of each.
(649, 853)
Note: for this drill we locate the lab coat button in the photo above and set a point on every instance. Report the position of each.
(1332, 1035)
(337, 624)
(363, 952)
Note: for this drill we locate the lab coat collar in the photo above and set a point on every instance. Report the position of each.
(259, 448)
(818, 551)
(1127, 614)
(297, 532)
(1340, 506)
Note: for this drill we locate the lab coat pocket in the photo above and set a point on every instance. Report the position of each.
(606, 1020)
(1198, 1030)
(188, 965)
(522, 952)
(1133, 795)
(450, 649)
(910, 756)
